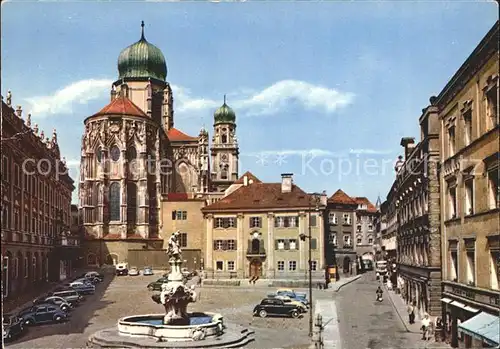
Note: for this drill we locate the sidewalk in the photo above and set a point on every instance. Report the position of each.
(337, 285)
(402, 309)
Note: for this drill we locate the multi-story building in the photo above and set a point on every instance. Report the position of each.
(389, 228)
(416, 194)
(340, 235)
(36, 204)
(468, 113)
(137, 168)
(255, 231)
(367, 216)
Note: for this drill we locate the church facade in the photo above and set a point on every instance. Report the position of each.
(135, 165)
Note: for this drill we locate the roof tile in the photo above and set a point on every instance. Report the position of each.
(339, 197)
(121, 106)
(250, 176)
(361, 200)
(174, 135)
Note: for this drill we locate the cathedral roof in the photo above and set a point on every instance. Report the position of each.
(258, 195)
(121, 106)
(339, 197)
(142, 60)
(174, 135)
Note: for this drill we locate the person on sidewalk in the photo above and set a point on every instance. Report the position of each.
(426, 327)
(379, 293)
(411, 313)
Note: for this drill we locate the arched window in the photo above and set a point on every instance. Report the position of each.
(131, 203)
(98, 154)
(131, 153)
(115, 153)
(224, 138)
(91, 259)
(114, 201)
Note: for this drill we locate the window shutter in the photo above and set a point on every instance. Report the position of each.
(287, 244)
(224, 245)
(249, 248)
(174, 215)
(215, 244)
(297, 244)
(235, 244)
(276, 222)
(313, 221)
(276, 244)
(314, 244)
(260, 222)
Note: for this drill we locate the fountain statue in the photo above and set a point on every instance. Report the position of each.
(176, 328)
(175, 295)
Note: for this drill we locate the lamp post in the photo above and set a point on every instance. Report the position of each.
(316, 197)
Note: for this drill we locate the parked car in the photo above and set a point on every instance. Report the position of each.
(300, 305)
(70, 295)
(94, 274)
(156, 285)
(147, 271)
(42, 313)
(83, 288)
(133, 271)
(61, 302)
(80, 282)
(275, 306)
(91, 280)
(12, 327)
(301, 297)
(121, 269)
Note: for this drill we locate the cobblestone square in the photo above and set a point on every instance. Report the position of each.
(127, 295)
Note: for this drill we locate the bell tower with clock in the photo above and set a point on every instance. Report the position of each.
(224, 150)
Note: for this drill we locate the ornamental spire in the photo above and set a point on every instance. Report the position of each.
(224, 99)
(142, 31)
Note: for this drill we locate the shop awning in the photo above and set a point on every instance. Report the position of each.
(483, 326)
(446, 300)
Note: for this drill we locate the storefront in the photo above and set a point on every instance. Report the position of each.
(464, 309)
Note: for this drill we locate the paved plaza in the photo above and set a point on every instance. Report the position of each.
(361, 322)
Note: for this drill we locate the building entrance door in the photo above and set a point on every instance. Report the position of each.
(255, 268)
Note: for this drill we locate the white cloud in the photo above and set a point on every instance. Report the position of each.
(63, 100)
(270, 100)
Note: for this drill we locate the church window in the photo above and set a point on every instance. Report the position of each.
(131, 153)
(224, 138)
(99, 154)
(131, 203)
(223, 172)
(115, 153)
(114, 201)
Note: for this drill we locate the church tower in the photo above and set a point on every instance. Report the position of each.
(224, 150)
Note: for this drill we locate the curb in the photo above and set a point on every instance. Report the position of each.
(399, 313)
(357, 277)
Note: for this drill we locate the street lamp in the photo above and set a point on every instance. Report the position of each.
(316, 197)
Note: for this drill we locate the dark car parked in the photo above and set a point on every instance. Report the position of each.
(274, 306)
(70, 295)
(59, 301)
(84, 288)
(156, 285)
(42, 313)
(12, 327)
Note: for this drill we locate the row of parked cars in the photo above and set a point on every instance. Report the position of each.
(284, 302)
(123, 269)
(53, 307)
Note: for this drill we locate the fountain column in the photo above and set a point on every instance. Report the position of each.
(209, 264)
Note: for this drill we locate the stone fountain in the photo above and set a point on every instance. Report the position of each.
(176, 328)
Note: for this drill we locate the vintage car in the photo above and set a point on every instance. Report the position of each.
(275, 306)
(300, 305)
(42, 313)
(12, 327)
(61, 302)
(70, 295)
(82, 288)
(121, 269)
(133, 271)
(301, 297)
(156, 285)
(147, 271)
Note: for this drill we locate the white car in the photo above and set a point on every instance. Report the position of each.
(79, 284)
(134, 271)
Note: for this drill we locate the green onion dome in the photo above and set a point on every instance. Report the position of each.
(142, 60)
(224, 115)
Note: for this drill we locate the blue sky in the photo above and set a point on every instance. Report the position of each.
(322, 90)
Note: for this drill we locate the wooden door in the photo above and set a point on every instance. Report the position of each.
(255, 268)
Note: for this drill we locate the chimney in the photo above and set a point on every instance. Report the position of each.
(408, 143)
(245, 181)
(286, 182)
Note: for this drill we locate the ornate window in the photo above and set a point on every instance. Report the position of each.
(98, 154)
(131, 153)
(131, 203)
(114, 201)
(115, 153)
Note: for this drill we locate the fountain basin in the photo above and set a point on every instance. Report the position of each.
(151, 325)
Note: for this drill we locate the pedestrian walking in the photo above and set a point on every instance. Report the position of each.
(411, 313)
(426, 327)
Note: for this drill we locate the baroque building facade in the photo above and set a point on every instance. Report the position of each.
(468, 114)
(36, 206)
(134, 161)
(367, 216)
(254, 231)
